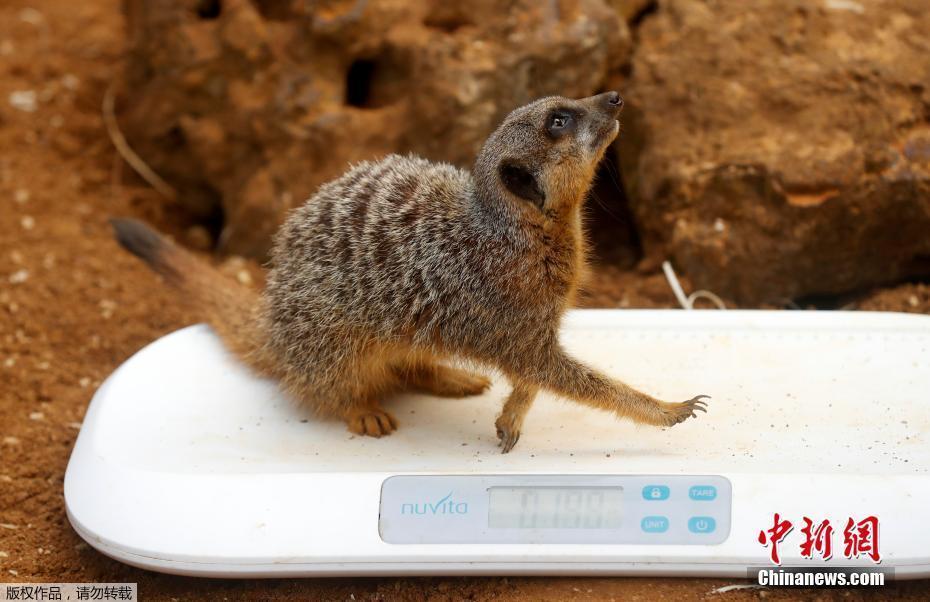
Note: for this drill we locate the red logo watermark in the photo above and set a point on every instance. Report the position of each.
(859, 538)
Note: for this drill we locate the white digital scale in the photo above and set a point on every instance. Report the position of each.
(188, 464)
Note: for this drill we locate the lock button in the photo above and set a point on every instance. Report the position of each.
(655, 493)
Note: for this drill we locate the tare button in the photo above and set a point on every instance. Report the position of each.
(703, 493)
(655, 492)
(701, 524)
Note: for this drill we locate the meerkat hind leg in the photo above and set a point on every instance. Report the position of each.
(370, 379)
(443, 381)
(351, 393)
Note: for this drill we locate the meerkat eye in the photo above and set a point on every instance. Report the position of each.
(559, 123)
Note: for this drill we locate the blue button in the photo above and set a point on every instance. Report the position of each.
(701, 524)
(655, 492)
(654, 524)
(703, 493)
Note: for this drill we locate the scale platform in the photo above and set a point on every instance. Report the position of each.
(187, 464)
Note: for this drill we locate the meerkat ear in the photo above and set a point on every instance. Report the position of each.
(520, 181)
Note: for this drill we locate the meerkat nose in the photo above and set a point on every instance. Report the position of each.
(613, 99)
(608, 103)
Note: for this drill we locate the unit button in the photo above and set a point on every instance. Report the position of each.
(703, 492)
(654, 524)
(701, 524)
(655, 492)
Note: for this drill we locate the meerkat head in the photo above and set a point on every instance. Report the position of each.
(546, 153)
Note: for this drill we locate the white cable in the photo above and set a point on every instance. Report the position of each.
(702, 294)
(688, 302)
(676, 286)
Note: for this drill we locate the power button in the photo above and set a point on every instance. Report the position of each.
(701, 524)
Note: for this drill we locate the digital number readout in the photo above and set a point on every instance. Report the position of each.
(554, 507)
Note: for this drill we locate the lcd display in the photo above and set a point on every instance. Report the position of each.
(555, 507)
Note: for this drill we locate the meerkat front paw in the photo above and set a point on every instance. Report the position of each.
(371, 422)
(671, 414)
(508, 433)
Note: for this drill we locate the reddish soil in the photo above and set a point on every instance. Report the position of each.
(73, 307)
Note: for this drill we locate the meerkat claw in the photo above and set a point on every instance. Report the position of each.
(507, 440)
(676, 413)
(371, 422)
(698, 403)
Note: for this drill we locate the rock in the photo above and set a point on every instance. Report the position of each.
(24, 100)
(782, 151)
(250, 106)
(19, 276)
(909, 297)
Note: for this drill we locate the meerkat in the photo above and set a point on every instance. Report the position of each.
(400, 265)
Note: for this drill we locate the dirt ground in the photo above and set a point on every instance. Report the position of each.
(72, 308)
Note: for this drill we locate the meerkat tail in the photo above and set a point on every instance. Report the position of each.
(232, 310)
(149, 246)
